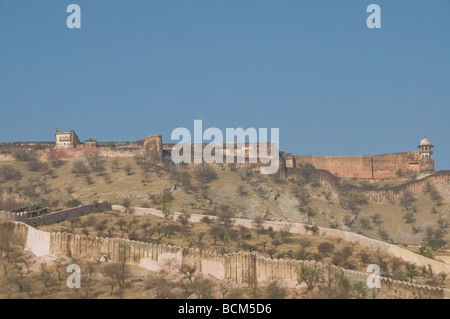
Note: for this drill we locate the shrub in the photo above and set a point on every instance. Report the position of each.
(325, 248)
(340, 257)
(80, 168)
(409, 218)
(306, 165)
(407, 200)
(38, 147)
(10, 173)
(22, 155)
(313, 229)
(162, 199)
(435, 237)
(74, 203)
(276, 291)
(128, 169)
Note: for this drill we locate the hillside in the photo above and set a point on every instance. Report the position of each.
(247, 194)
(233, 192)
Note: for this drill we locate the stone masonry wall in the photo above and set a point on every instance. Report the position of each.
(242, 268)
(51, 218)
(299, 228)
(364, 166)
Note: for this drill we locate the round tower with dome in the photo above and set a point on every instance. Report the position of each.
(426, 163)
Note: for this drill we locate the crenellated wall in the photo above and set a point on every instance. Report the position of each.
(242, 268)
(21, 217)
(299, 228)
(395, 192)
(364, 166)
(374, 195)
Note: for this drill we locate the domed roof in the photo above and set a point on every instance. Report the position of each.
(425, 141)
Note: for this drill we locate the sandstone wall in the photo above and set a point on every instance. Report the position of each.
(395, 192)
(242, 268)
(51, 218)
(374, 195)
(299, 228)
(38, 242)
(21, 217)
(313, 175)
(80, 152)
(62, 215)
(384, 166)
(364, 166)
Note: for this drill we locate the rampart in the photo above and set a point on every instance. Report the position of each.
(242, 268)
(364, 166)
(54, 217)
(395, 192)
(299, 228)
(374, 195)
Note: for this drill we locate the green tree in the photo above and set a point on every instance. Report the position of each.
(311, 275)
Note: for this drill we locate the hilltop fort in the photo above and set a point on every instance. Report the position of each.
(67, 145)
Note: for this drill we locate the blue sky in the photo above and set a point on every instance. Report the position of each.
(310, 68)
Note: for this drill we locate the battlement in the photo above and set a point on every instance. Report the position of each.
(153, 149)
(241, 268)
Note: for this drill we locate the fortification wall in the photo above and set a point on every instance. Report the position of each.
(38, 242)
(51, 218)
(81, 152)
(364, 166)
(313, 175)
(299, 228)
(395, 192)
(62, 215)
(374, 195)
(347, 166)
(242, 268)
(385, 166)
(20, 217)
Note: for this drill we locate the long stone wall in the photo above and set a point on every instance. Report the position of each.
(21, 217)
(415, 187)
(62, 215)
(242, 268)
(374, 195)
(299, 228)
(312, 175)
(55, 217)
(364, 166)
(81, 152)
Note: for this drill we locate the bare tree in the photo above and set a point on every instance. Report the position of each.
(128, 169)
(115, 165)
(407, 200)
(204, 174)
(80, 168)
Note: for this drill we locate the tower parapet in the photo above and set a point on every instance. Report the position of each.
(426, 162)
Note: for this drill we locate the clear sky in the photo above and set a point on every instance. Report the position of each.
(310, 68)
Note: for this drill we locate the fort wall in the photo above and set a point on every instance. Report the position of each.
(364, 166)
(373, 195)
(52, 218)
(242, 268)
(299, 228)
(395, 192)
